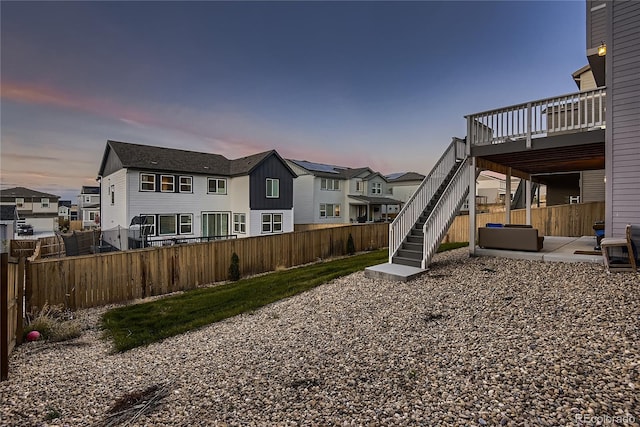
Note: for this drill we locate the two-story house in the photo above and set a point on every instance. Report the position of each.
(34, 207)
(89, 206)
(170, 193)
(329, 194)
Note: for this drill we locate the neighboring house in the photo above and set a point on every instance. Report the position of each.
(492, 187)
(8, 225)
(329, 194)
(172, 193)
(89, 207)
(404, 184)
(64, 210)
(34, 207)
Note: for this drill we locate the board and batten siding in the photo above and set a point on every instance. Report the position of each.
(271, 167)
(623, 116)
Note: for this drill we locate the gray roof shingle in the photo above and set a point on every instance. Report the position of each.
(149, 157)
(25, 193)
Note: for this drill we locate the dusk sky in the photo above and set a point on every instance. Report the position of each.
(378, 84)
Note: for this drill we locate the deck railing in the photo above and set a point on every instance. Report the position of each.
(443, 214)
(575, 112)
(414, 207)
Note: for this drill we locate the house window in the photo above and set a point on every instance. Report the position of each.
(92, 215)
(273, 188)
(271, 223)
(217, 186)
(19, 202)
(147, 182)
(167, 183)
(112, 191)
(329, 184)
(167, 224)
(359, 186)
(239, 223)
(328, 210)
(376, 188)
(147, 225)
(186, 184)
(87, 199)
(186, 224)
(44, 203)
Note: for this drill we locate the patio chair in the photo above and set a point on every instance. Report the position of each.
(620, 254)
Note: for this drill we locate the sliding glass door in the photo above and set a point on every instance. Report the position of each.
(215, 224)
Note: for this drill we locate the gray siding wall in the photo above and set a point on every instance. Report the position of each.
(596, 23)
(271, 167)
(623, 116)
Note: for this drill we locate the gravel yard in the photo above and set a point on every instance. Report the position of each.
(476, 341)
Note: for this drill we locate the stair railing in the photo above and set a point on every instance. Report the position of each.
(411, 211)
(444, 212)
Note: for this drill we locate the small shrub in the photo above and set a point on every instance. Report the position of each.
(351, 247)
(54, 324)
(234, 268)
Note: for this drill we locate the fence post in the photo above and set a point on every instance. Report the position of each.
(28, 286)
(4, 317)
(20, 299)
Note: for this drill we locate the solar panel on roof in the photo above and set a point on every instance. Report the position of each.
(395, 175)
(317, 167)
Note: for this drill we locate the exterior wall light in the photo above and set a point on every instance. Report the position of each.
(602, 49)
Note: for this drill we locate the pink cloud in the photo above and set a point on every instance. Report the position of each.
(196, 124)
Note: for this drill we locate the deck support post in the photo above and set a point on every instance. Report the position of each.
(507, 197)
(528, 199)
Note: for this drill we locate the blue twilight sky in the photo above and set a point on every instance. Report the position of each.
(379, 84)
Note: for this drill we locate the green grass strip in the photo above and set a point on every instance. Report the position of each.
(142, 324)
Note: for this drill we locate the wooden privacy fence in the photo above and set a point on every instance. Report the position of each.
(95, 280)
(11, 293)
(573, 220)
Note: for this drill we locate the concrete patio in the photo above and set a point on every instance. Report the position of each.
(555, 249)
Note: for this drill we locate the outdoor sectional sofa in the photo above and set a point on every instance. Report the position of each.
(512, 237)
